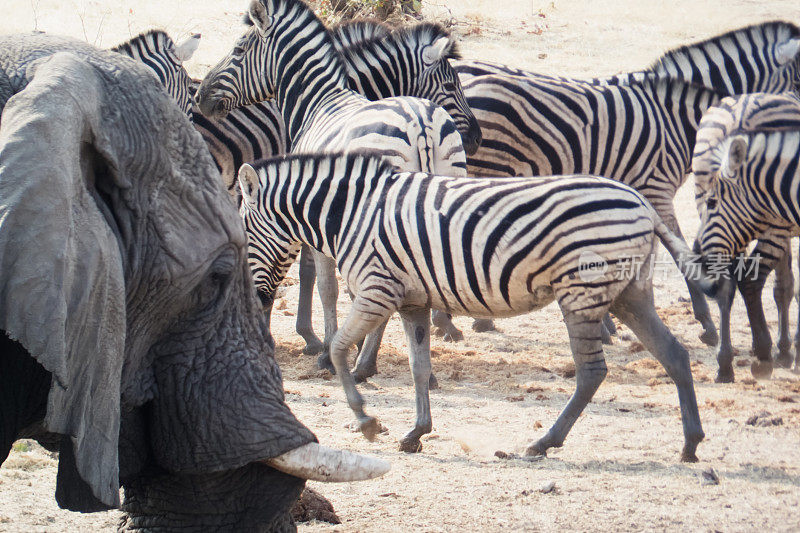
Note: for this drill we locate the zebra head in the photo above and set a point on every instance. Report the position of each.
(411, 61)
(284, 37)
(271, 248)
(738, 163)
(157, 50)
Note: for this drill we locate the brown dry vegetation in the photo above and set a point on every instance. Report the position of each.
(619, 468)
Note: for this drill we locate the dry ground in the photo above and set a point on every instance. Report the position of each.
(619, 468)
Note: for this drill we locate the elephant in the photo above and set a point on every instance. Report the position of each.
(131, 338)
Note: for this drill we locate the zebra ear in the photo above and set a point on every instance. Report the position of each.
(248, 183)
(736, 156)
(435, 51)
(188, 47)
(786, 52)
(260, 16)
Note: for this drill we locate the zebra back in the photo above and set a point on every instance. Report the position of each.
(758, 58)
(746, 164)
(489, 247)
(157, 50)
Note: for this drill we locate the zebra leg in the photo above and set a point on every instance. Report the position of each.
(796, 368)
(303, 325)
(365, 315)
(417, 324)
(482, 325)
(726, 290)
(605, 335)
(770, 252)
(590, 370)
(609, 324)
(782, 293)
(328, 288)
(635, 308)
(443, 321)
(366, 364)
(699, 304)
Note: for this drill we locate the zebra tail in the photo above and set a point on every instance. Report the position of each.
(688, 262)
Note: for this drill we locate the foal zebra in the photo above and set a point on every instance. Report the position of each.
(289, 53)
(410, 242)
(747, 166)
(156, 49)
(637, 128)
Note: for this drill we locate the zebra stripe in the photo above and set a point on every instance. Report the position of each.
(747, 170)
(746, 165)
(383, 63)
(156, 49)
(380, 63)
(637, 128)
(490, 248)
(290, 54)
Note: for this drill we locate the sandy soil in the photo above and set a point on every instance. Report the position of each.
(619, 468)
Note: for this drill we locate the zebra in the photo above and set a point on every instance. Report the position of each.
(410, 242)
(746, 164)
(289, 54)
(157, 50)
(638, 128)
(380, 62)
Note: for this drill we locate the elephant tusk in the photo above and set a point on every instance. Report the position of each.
(320, 463)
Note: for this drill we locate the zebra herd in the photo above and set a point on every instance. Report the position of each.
(386, 131)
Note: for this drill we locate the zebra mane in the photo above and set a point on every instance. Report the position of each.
(773, 31)
(373, 157)
(351, 37)
(761, 113)
(348, 34)
(158, 36)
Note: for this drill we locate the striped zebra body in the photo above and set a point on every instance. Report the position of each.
(289, 54)
(244, 135)
(747, 166)
(157, 50)
(380, 63)
(638, 128)
(410, 242)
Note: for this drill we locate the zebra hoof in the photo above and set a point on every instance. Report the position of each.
(361, 374)
(324, 363)
(709, 337)
(454, 335)
(313, 348)
(410, 445)
(433, 383)
(370, 427)
(689, 456)
(724, 376)
(761, 369)
(482, 325)
(784, 360)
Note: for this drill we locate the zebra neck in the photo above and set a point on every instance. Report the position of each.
(773, 176)
(372, 74)
(684, 105)
(308, 71)
(325, 200)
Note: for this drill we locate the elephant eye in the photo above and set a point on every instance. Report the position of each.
(213, 288)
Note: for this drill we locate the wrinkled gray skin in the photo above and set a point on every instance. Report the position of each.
(131, 335)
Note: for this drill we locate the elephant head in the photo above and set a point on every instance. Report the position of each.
(130, 325)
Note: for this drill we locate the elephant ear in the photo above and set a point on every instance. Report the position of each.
(62, 293)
